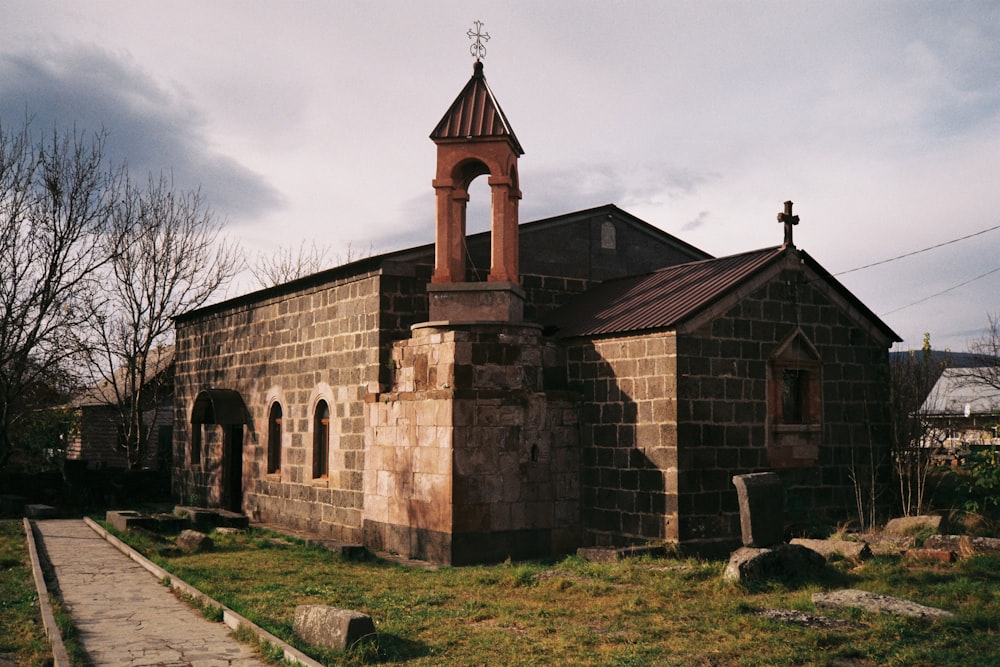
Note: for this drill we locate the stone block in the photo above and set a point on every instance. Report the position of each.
(38, 511)
(125, 520)
(329, 627)
(761, 500)
(192, 540)
(964, 545)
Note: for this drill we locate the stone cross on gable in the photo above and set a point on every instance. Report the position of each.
(789, 220)
(477, 49)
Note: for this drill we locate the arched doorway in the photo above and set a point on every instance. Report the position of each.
(225, 408)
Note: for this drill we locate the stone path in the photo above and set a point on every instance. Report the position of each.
(123, 616)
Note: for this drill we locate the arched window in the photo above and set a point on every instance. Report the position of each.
(274, 439)
(321, 440)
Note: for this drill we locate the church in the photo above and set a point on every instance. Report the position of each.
(582, 380)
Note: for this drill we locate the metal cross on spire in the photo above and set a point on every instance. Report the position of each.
(789, 220)
(477, 49)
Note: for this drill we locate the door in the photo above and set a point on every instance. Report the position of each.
(232, 487)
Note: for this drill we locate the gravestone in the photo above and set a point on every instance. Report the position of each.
(330, 627)
(761, 498)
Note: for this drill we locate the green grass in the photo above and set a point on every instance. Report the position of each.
(22, 635)
(639, 612)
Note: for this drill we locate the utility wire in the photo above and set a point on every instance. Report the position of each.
(944, 291)
(917, 252)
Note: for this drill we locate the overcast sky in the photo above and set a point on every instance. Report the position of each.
(309, 121)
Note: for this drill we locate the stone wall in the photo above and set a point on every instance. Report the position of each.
(667, 421)
(628, 427)
(320, 342)
(471, 459)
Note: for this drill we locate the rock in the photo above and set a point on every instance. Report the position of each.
(883, 544)
(192, 540)
(843, 548)
(330, 627)
(964, 545)
(910, 525)
(779, 562)
(883, 604)
(761, 500)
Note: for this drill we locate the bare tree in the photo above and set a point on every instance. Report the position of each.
(167, 258)
(286, 264)
(54, 196)
(986, 355)
(911, 379)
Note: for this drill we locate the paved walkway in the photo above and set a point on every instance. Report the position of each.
(123, 615)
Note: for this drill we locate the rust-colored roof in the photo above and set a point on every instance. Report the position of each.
(656, 300)
(475, 113)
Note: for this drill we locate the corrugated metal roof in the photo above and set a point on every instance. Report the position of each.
(958, 388)
(475, 113)
(656, 300)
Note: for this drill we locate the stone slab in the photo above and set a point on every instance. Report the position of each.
(910, 525)
(942, 555)
(842, 548)
(348, 551)
(761, 499)
(964, 545)
(330, 627)
(874, 602)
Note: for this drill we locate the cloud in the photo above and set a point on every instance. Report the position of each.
(150, 127)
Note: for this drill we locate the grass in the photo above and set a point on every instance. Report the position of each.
(22, 635)
(637, 612)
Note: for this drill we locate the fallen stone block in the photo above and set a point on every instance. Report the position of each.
(942, 555)
(610, 554)
(883, 604)
(192, 540)
(910, 525)
(125, 520)
(964, 545)
(780, 562)
(330, 627)
(40, 512)
(883, 544)
(169, 523)
(347, 551)
(843, 548)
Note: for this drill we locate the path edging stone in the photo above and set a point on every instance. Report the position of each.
(60, 657)
(229, 617)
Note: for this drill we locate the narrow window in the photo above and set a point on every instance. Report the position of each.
(321, 440)
(794, 396)
(196, 444)
(609, 239)
(274, 439)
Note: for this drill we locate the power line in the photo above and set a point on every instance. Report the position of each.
(917, 252)
(944, 291)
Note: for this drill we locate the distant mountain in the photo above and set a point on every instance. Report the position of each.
(952, 359)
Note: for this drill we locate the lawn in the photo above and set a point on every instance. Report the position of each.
(22, 635)
(637, 612)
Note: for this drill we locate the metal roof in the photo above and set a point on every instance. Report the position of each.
(656, 300)
(961, 387)
(475, 113)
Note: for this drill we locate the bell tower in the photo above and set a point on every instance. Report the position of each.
(475, 139)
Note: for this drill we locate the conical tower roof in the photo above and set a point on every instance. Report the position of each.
(475, 114)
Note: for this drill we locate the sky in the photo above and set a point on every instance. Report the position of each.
(308, 122)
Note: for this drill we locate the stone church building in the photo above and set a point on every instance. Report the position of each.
(582, 380)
